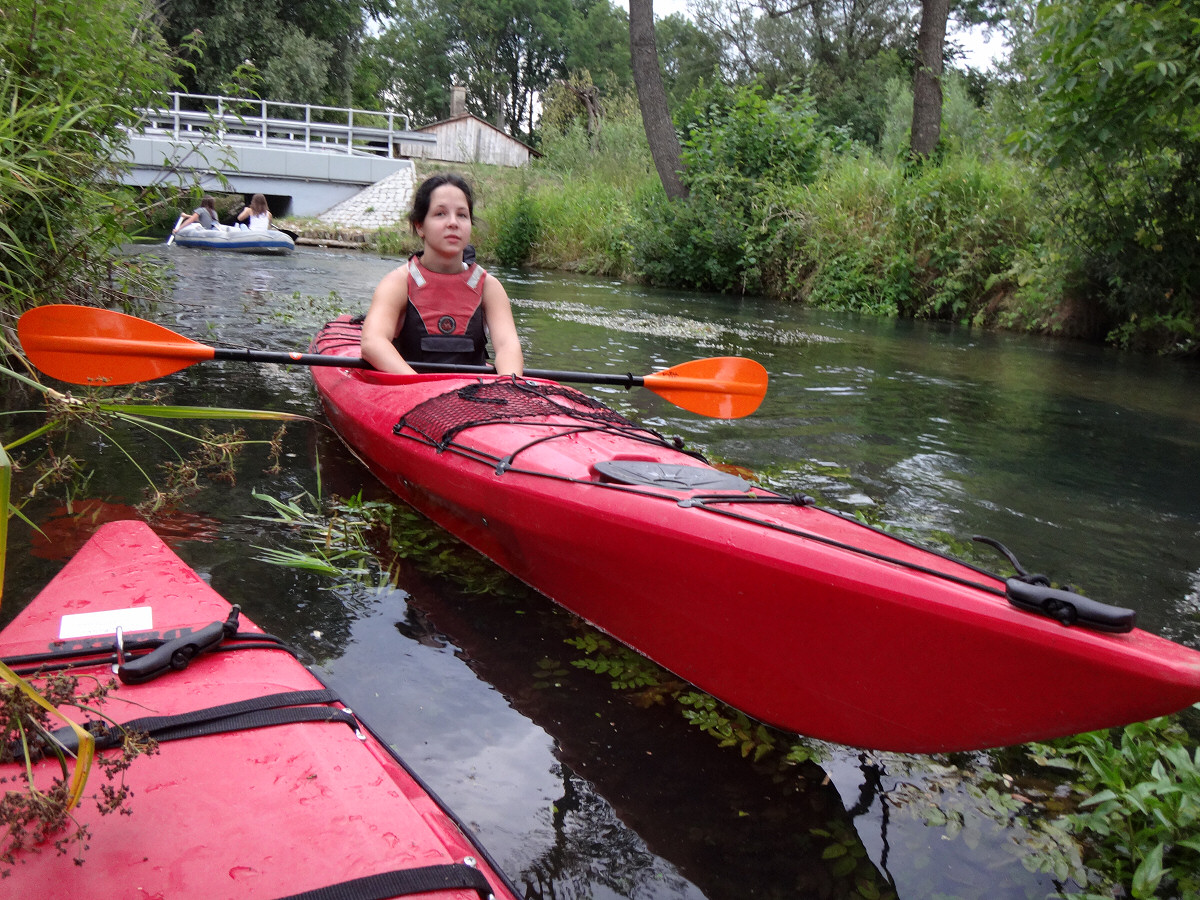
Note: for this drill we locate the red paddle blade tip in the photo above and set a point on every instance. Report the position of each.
(99, 347)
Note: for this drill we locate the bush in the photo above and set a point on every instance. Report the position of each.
(517, 226)
(740, 144)
(697, 243)
(1140, 792)
(741, 131)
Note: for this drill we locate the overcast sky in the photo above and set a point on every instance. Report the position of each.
(979, 51)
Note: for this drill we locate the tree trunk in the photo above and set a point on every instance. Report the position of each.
(589, 96)
(927, 79)
(652, 98)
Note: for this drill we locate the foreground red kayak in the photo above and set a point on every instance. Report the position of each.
(796, 615)
(264, 784)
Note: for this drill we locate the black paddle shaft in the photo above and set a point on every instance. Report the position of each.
(628, 380)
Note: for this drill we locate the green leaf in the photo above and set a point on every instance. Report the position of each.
(1149, 873)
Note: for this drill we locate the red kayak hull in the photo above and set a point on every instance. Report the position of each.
(798, 616)
(262, 813)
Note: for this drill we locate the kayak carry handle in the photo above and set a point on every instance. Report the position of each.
(176, 654)
(1033, 593)
(1068, 607)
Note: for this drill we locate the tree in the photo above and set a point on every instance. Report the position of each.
(512, 50)
(687, 55)
(656, 115)
(305, 50)
(505, 52)
(842, 53)
(778, 43)
(927, 77)
(597, 41)
(1119, 118)
(409, 67)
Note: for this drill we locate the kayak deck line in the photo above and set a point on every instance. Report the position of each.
(802, 617)
(512, 402)
(283, 708)
(439, 420)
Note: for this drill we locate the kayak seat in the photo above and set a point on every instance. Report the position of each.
(669, 476)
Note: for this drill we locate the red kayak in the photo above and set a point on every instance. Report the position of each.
(264, 784)
(799, 616)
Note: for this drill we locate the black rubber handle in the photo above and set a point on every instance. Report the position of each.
(1068, 607)
(175, 654)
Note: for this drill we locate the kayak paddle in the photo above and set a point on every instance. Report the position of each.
(171, 236)
(100, 347)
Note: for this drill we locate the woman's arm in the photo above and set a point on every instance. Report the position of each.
(187, 220)
(497, 313)
(244, 214)
(383, 322)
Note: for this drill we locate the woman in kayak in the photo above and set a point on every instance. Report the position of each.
(438, 307)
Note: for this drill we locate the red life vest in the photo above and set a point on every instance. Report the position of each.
(443, 321)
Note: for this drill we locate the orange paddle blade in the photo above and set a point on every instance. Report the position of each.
(84, 345)
(724, 387)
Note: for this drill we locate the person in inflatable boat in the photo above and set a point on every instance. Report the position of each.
(257, 213)
(440, 307)
(205, 214)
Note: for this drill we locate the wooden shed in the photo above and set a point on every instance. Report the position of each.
(464, 138)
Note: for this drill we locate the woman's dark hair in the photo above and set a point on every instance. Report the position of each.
(420, 207)
(258, 204)
(209, 203)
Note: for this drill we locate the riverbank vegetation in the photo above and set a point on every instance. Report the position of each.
(782, 206)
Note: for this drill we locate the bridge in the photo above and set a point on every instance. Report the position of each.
(304, 158)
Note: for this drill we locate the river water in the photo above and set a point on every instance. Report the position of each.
(1083, 461)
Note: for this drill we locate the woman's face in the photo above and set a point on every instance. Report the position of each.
(446, 229)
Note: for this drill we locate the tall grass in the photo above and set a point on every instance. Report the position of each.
(870, 233)
(579, 198)
(870, 236)
(72, 77)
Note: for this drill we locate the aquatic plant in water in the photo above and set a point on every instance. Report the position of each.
(1138, 813)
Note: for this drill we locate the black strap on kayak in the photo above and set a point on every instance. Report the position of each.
(401, 883)
(260, 712)
(100, 653)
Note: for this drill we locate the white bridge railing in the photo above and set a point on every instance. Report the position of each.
(270, 123)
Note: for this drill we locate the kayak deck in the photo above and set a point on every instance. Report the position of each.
(801, 617)
(264, 783)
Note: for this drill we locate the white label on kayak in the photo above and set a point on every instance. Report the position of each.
(90, 624)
